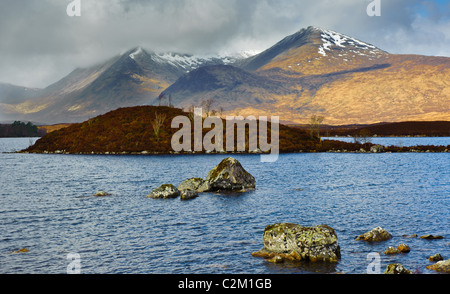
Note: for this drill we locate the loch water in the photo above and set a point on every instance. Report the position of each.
(46, 206)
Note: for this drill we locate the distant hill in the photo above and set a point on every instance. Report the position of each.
(131, 130)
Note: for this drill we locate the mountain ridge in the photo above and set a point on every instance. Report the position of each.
(311, 72)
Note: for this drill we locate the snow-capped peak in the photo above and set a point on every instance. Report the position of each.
(331, 38)
(136, 52)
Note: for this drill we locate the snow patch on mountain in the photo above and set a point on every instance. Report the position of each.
(330, 38)
(136, 53)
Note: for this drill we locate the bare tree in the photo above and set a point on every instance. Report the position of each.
(170, 101)
(207, 104)
(315, 123)
(157, 123)
(160, 98)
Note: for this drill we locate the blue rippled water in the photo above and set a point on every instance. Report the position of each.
(46, 206)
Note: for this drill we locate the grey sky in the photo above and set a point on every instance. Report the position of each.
(40, 44)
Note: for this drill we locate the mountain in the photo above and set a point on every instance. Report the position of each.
(311, 72)
(136, 77)
(329, 74)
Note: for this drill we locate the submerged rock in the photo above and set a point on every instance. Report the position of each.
(101, 194)
(396, 268)
(294, 242)
(23, 250)
(376, 235)
(431, 237)
(165, 191)
(441, 266)
(228, 175)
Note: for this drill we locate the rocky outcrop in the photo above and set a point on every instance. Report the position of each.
(396, 268)
(376, 235)
(165, 191)
(441, 266)
(294, 242)
(228, 175)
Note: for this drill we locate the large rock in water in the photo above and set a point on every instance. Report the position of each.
(228, 175)
(294, 242)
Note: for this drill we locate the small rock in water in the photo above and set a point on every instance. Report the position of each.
(101, 194)
(436, 257)
(23, 250)
(165, 191)
(431, 237)
(403, 248)
(391, 250)
(376, 235)
(396, 268)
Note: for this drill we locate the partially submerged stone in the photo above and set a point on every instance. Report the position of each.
(396, 269)
(294, 242)
(376, 235)
(441, 266)
(165, 191)
(23, 250)
(190, 184)
(188, 194)
(101, 194)
(431, 237)
(435, 257)
(403, 248)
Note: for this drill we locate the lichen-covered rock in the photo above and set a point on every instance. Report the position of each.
(391, 250)
(188, 194)
(436, 257)
(165, 191)
(190, 184)
(295, 243)
(228, 175)
(376, 235)
(396, 268)
(403, 248)
(441, 266)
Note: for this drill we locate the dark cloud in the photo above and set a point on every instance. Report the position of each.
(40, 43)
